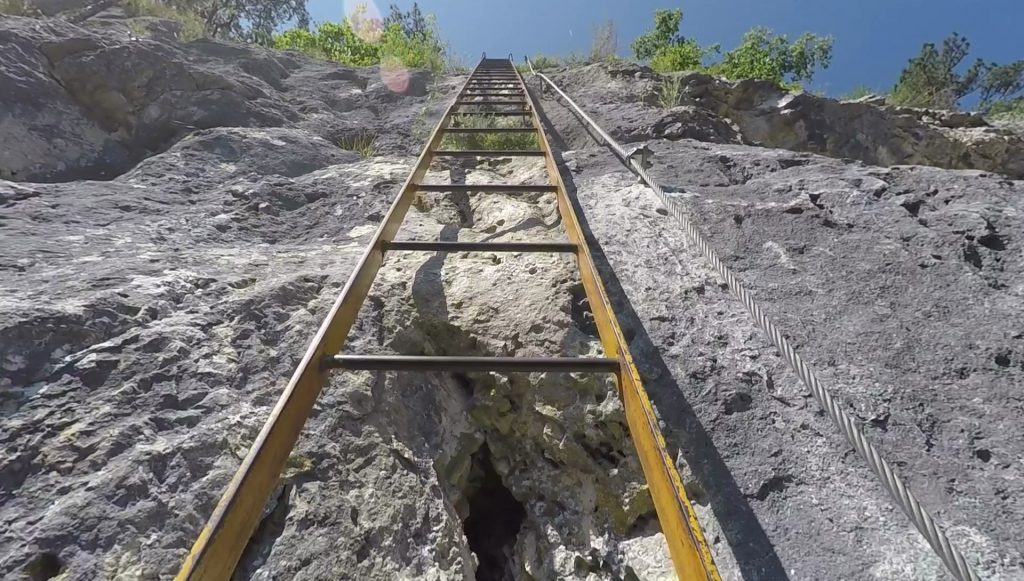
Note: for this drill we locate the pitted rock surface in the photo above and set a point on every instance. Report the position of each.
(148, 322)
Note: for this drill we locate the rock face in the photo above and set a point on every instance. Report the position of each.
(900, 285)
(148, 322)
(84, 105)
(632, 100)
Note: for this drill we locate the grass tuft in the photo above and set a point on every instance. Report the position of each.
(670, 92)
(363, 143)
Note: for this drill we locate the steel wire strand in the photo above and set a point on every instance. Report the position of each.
(893, 484)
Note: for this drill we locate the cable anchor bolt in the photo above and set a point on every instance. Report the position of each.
(642, 157)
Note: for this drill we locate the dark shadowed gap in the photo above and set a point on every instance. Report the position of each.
(754, 553)
(495, 517)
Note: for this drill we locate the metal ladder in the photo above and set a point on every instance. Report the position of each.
(498, 86)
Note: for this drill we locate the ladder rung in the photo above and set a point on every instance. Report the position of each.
(491, 102)
(498, 113)
(501, 364)
(488, 152)
(454, 246)
(490, 130)
(488, 188)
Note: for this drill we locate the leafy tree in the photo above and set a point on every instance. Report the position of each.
(407, 39)
(413, 22)
(764, 55)
(665, 34)
(666, 49)
(931, 78)
(1000, 83)
(247, 20)
(761, 55)
(685, 56)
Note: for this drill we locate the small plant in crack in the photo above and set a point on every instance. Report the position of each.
(670, 92)
(363, 143)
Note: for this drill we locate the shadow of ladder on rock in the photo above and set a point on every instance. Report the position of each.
(494, 89)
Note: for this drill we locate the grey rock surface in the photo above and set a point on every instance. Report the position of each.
(903, 287)
(148, 322)
(631, 100)
(89, 104)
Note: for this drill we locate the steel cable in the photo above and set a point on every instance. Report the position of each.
(893, 484)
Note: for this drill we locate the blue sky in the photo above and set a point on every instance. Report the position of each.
(874, 38)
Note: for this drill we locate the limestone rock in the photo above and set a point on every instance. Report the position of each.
(760, 113)
(88, 104)
(149, 321)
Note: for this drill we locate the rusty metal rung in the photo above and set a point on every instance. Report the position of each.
(490, 130)
(482, 364)
(458, 246)
(523, 113)
(491, 102)
(489, 153)
(488, 188)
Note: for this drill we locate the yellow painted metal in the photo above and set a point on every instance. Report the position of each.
(221, 542)
(226, 534)
(687, 546)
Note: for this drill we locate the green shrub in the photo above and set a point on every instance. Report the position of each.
(191, 26)
(361, 42)
(19, 8)
(761, 54)
(685, 56)
(1010, 110)
(932, 79)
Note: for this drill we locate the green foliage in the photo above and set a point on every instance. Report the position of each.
(665, 33)
(669, 93)
(248, 20)
(685, 56)
(931, 79)
(1009, 110)
(1000, 84)
(365, 144)
(764, 55)
(403, 39)
(190, 25)
(761, 55)
(19, 8)
(491, 141)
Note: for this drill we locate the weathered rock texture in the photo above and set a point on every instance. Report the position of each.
(760, 113)
(78, 104)
(149, 321)
(901, 285)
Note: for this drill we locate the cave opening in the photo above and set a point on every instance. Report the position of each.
(494, 520)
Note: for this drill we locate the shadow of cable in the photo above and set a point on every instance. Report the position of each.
(755, 555)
